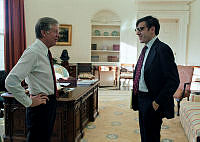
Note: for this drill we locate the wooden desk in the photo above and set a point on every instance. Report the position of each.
(72, 116)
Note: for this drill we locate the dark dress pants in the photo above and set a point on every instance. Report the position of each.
(150, 121)
(40, 121)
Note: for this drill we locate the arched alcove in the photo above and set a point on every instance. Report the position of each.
(105, 17)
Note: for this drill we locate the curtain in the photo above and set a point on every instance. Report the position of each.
(15, 35)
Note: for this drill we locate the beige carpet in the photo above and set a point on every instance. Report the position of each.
(117, 123)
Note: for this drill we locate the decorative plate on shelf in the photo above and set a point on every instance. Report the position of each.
(97, 33)
(115, 33)
(106, 34)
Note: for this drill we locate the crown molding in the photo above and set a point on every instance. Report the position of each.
(165, 1)
(163, 5)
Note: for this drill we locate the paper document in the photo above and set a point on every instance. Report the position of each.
(64, 84)
(86, 82)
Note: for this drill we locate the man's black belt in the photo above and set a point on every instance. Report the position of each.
(140, 93)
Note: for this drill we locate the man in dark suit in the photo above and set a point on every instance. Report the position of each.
(155, 80)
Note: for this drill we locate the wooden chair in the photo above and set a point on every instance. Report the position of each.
(85, 71)
(185, 75)
(84, 67)
(126, 73)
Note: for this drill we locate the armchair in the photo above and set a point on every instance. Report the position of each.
(185, 75)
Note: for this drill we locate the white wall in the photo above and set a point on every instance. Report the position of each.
(79, 13)
(194, 35)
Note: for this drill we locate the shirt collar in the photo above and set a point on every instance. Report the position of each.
(43, 47)
(150, 43)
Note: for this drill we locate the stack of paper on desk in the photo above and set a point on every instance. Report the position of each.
(86, 82)
(64, 84)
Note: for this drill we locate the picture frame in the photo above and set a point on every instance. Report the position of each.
(65, 35)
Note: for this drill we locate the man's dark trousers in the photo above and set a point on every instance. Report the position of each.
(40, 121)
(150, 121)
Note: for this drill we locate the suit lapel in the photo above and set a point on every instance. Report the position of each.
(151, 54)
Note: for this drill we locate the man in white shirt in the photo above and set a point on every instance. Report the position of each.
(35, 67)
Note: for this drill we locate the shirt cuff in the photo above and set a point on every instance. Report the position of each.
(25, 100)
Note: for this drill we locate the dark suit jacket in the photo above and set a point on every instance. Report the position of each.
(161, 78)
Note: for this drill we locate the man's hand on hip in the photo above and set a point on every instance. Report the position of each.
(39, 99)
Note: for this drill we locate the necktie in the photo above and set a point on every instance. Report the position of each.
(138, 70)
(53, 73)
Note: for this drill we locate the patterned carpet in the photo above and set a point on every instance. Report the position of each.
(117, 123)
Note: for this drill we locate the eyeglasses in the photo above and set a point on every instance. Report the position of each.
(139, 29)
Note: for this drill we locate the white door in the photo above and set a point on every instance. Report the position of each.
(169, 33)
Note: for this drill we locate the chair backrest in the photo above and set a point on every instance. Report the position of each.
(126, 67)
(84, 68)
(185, 75)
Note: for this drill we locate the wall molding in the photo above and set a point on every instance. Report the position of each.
(169, 1)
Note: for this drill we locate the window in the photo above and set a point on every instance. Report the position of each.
(1, 35)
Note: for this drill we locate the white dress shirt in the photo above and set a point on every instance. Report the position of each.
(142, 84)
(35, 68)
